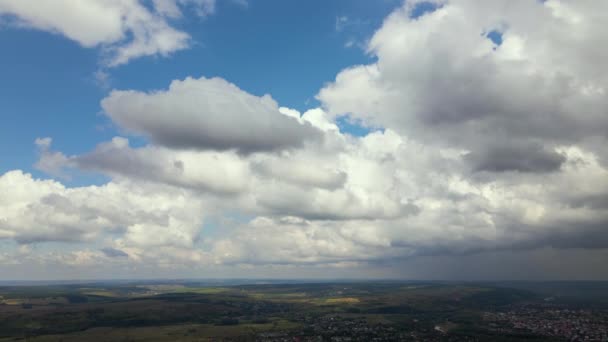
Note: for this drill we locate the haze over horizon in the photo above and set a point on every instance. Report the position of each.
(439, 140)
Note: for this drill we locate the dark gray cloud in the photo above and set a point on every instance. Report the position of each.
(535, 264)
(593, 201)
(530, 157)
(561, 232)
(114, 253)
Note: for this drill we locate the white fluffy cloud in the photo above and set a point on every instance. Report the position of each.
(441, 79)
(124, 29)
(207, 114)
(206, 171)
(384, 197)
(36, 210)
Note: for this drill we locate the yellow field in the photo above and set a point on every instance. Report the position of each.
(200, 290)
(101, 293)
(11, 301)
(343, 300)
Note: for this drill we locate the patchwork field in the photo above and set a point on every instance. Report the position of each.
(198, 312)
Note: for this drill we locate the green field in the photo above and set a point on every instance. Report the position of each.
(195, 312)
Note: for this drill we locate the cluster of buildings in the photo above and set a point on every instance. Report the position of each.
(337, 329)
(562, 323)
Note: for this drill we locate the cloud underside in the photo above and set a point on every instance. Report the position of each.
(207, 114)
(484, 147)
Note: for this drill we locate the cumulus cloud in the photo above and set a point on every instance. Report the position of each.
(207, 114)
(459, 217)
(396, 199)
(221, 173)
(35, 210)
(124, 29)
(485, 146)
(290, 240)
(440, 78)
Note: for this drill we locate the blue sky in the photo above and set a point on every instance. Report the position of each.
(288, 49)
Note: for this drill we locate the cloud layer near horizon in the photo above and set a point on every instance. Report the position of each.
(484, 147)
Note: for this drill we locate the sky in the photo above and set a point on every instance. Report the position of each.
(444, 139)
